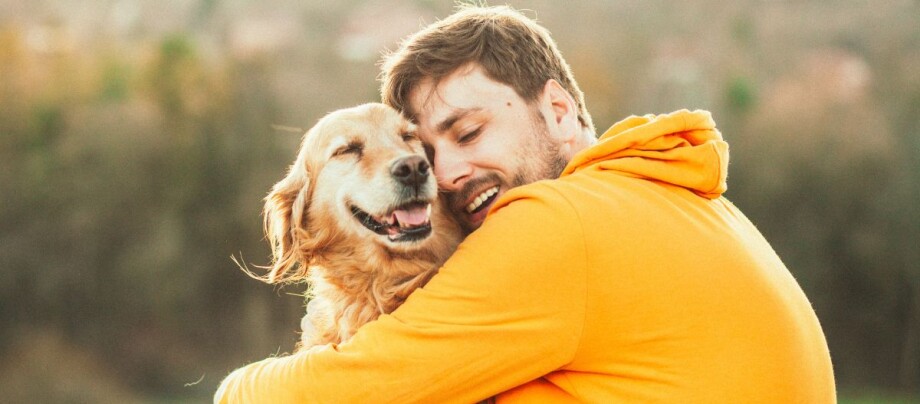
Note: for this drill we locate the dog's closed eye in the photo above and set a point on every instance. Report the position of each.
(409, 137)
(352, 148)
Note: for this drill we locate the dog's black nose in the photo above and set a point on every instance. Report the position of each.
(411, 170)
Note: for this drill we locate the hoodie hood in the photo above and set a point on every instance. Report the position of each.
(683, 148)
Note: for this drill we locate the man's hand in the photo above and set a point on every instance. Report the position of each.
(309, 338)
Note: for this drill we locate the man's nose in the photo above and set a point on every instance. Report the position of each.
(451, 171)
(411, 171)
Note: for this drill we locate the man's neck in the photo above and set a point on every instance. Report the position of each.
(584, 140)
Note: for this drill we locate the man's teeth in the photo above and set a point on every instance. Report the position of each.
(481, 198)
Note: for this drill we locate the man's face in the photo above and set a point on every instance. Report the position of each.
(482, 139)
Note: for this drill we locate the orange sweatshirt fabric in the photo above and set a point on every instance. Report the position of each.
(628, 279)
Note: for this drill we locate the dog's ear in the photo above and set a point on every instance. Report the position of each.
(285, 224)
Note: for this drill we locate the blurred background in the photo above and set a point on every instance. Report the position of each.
(138, 138)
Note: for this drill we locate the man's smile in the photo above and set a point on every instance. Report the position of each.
(471, 203)
(479, 202)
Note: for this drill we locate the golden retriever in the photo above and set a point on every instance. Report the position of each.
(357, 216)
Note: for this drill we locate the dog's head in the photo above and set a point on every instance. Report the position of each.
(360, 176)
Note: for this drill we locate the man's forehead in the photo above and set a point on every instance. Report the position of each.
(430, 99)
(439, 104)
(441, 117)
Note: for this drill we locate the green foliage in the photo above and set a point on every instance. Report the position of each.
(115, 82)
(741, 95)
(174, 74)
(47, 124)
(174, 49)
(743, 30)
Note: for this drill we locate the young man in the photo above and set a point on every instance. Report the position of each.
(608, 270)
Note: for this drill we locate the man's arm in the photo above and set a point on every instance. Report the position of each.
(508, 307)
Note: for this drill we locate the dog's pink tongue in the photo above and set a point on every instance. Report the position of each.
(416, 216)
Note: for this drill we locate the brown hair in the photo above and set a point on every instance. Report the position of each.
(511, 48)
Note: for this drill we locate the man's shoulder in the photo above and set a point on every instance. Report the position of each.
(591, 197)
(577, 191)
(549, 203)
(548, 193)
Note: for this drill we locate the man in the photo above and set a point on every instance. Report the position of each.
(606, 271)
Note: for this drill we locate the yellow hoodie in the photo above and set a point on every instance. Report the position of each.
(628, 279)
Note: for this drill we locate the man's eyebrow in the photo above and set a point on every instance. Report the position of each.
(454, 117)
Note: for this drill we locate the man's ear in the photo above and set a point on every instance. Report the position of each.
(561, 108)
(284, 222)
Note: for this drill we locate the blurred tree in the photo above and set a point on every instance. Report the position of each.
(741, 95)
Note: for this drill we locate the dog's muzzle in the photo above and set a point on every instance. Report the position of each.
(409, 222)
(411, 172)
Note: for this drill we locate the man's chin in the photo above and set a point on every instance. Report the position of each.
(468, 227)
(475, 220)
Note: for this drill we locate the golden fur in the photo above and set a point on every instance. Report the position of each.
(346, 161)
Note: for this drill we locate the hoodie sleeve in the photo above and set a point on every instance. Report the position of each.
(508, 307)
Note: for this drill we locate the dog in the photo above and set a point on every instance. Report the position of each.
(358, 217)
